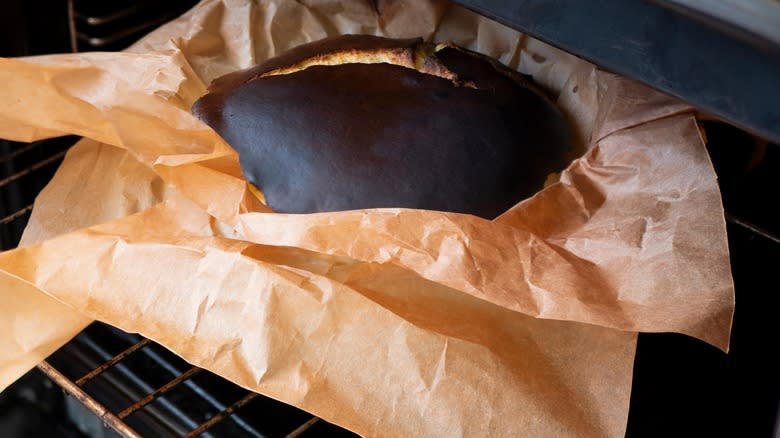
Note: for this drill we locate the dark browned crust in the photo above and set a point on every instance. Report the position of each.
(311, 50)
(330, 138)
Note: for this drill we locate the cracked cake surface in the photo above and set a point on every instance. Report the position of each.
(367, 122)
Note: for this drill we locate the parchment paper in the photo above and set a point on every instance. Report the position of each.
(390, 322)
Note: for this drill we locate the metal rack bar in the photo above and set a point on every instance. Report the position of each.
(30, 169)
(94, 20)
(222, 415)
(74, 390)
(116, 36)
(754, 228)
(158, 392)
(113, 361)
(72, 27)
(303, 428)
(18, 151)
(16, 215)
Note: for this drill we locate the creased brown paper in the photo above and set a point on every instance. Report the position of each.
(373, 351)
(390, 322)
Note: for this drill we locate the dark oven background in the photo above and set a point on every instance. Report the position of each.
(682, 387)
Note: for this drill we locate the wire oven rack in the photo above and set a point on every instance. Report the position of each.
(101, 25)
(134, 386)
(144, 390)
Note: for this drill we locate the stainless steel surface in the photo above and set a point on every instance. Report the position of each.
(758, 17)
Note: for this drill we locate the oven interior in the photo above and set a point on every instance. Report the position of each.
(107, 383)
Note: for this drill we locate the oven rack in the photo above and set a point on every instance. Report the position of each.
(132, 385)
(136, 392)
(108, 26)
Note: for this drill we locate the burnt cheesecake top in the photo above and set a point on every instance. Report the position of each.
(366, 122)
